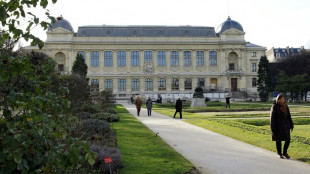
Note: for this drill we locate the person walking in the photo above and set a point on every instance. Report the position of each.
(178, 107)
(138, 103)
(281, 123)
(148, 104)
(227, 101)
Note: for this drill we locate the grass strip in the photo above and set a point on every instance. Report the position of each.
(143, 151)
(254, 136)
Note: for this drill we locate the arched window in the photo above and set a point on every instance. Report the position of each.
(135, 85)
(254, 82)
(108, 84)
(213, 58)
(175, 84)
(188, 84)
(121, 85)
(108, 61)
(174, 58)
(187, 58)
(121, 58)
(200, 58)
(94, 57)
(135, 58)
(148, 84)
(162, 84)
(148, 56)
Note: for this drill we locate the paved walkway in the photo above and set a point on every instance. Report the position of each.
(213, 153)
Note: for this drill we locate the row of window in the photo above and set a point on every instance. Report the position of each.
(161, 58)
(135, 85)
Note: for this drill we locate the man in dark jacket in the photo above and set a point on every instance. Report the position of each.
(281, 123)
(178, 107)
(148, 104)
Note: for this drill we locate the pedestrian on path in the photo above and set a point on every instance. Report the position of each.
(138, 103)
(178, 107)
(148, 104)
(227, 101)
(281, 123)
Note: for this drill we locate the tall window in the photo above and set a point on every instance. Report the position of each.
(187, 58)
(253, 54)
(94, 83)
(121, 85)
(162, 84)
(148, 84)
(108, 84)
(231, 66)
(200, 58)
(148, 56)
(135, 58)
(201, 82)
(254, 82)
(175, 84)
(94, 56)
(174, 57)
(82, 53)
(121, 58)
(135, 85)
(213, 58)
(188, 84)
(253, 67)
(161, 58)
(108, 61)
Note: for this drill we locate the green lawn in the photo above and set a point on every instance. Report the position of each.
(252, 131)
(142, 151)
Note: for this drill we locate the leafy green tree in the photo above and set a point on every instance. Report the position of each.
(295, 85)
(263, 81)
(34, 120)
(79, 66)
(13, 15)
(296, 66)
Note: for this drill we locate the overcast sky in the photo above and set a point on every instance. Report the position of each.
(269, 23)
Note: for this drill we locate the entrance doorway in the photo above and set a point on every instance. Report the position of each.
(234, 86)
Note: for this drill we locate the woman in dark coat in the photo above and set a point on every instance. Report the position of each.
(178, 107)
(281, 123)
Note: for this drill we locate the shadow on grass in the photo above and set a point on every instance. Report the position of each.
(307, 160)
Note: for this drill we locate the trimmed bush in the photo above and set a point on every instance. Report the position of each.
(104, 152)
(105, 116)
(83, 115)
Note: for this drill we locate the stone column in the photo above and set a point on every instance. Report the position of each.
(115, 84)
(168, 61)
(128, 84)
(155, 84)
(181, 59)
(114, 59)
(101, 61)
(181, 84)
(87, 59)
(142, 84)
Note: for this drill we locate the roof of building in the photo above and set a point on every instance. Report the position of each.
(251, 45)
(284, 52)
(145, 31)
(229, 24)
(61, 22)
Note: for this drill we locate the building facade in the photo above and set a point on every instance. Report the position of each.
(278, 54)
(151, 60)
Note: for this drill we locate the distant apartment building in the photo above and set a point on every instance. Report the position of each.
(278, 54)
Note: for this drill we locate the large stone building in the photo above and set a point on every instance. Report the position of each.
(167, 60)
